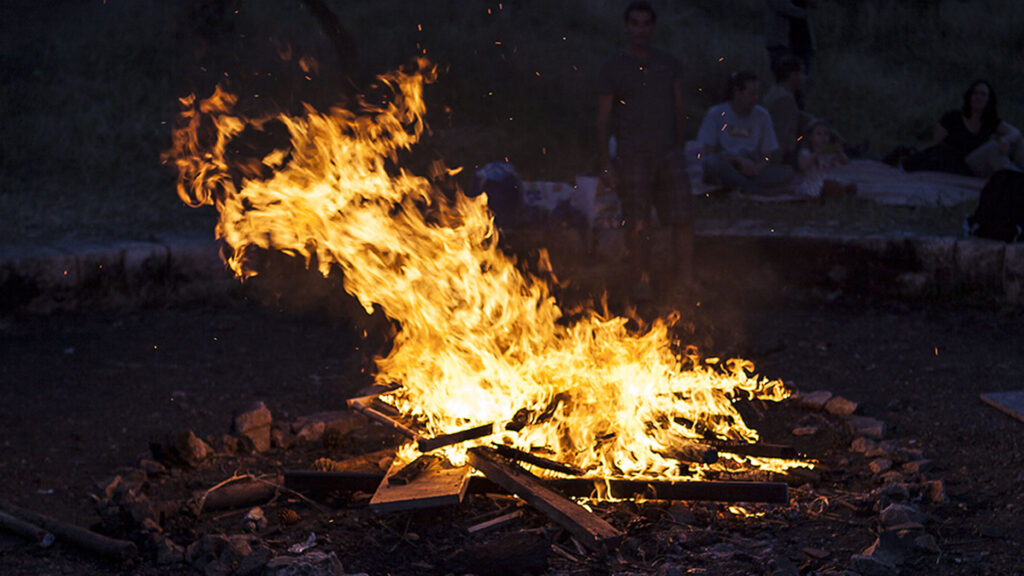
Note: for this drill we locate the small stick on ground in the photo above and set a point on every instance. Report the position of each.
(26, 529)
(81, 537)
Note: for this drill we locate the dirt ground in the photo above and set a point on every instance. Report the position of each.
(82, 394)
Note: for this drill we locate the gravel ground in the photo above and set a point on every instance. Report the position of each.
(82, 395)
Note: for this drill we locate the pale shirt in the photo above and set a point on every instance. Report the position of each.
(751, 136)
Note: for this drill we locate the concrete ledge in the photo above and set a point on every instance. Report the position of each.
(68, 276)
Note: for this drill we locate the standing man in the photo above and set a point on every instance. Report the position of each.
(788, 32)
(640, 103)
(739, 142)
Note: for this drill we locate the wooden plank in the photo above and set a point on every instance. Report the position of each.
(711, 491)
(588, 528)
(494, 522)
(428, 444)
(514, 454)
(1012, 403)
(435, 486)
(314, 482)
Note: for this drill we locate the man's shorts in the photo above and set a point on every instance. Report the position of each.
(657, 180)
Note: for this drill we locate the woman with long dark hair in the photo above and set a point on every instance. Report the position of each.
(972, 140)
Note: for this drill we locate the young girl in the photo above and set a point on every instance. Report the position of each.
(819, 154)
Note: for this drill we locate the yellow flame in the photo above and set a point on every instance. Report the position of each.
(479, 341)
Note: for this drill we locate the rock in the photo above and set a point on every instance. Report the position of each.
(281, 438)
(935, 491)
(255, 520)
(840, 406)
(805, 431)
(206, 550)
(167, 552)
(926, 543)
(918, 466)
(903, 455)
(862, 444)
(865, 426)
(880, 465)
(183, 449)
(896, 514)
(892, 477)
(152, 467)
(871, 566)
(311, 431)
(253, 564)
(313, 563)
(816, 553)
(814, 400)
(254, 424)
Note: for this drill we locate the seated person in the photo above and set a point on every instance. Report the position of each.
(739, 142)
(789, 121)
(972, 140)
(820, 152)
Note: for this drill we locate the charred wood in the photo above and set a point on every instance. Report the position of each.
(593, 531)
(538, 461)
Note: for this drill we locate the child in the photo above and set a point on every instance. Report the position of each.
(819, 154)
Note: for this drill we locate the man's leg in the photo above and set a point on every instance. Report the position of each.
(636, 180)
(674, 200)
(719, 167)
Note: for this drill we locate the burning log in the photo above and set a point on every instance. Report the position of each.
(591, 530)
(689, 451)
(362, 405)
(755, 450)
(428, 444)
(712, 491)
(514, 454)
(26, 529)
(81, 537)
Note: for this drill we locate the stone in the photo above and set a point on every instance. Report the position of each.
(281, 438)
(167, 552)
(814, 400)
(927, 543)
(897, 514)
(862, 444)
(871, 566)
(253, 564)
(255, 520)
(880, 465)
(935, 491)
(254, 425)
(152, 467)
(313, 563)
(805, 431)
(918, 466)
(865, 426)
(206, 550)
(840, 406)
(184, 449)
(903, 455)
(311, 431)
(979, 263)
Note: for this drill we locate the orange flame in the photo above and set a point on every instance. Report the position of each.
(479, 340)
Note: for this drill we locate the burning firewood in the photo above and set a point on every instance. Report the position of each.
(514, 454)
(593, 531)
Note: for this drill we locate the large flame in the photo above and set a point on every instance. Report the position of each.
(479, 341)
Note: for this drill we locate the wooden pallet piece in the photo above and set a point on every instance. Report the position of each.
(436, 486)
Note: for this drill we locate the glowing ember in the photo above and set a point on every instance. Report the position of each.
(478, 341)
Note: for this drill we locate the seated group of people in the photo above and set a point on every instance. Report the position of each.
(776, 148)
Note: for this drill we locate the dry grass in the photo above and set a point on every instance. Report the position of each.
(90, 88)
